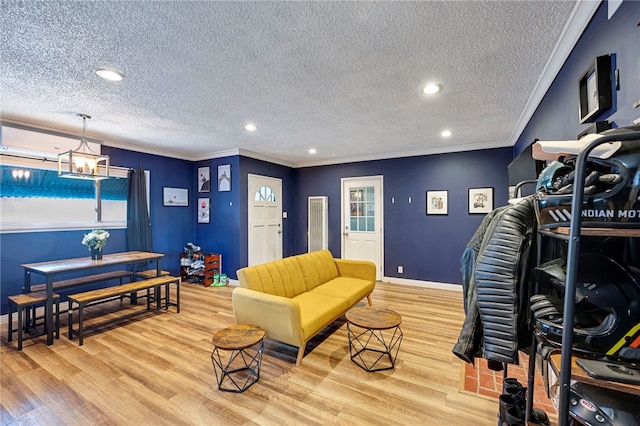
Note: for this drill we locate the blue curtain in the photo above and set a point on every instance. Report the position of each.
(138, 221)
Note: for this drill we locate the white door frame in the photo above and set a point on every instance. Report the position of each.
(252, 180)
(379, 179)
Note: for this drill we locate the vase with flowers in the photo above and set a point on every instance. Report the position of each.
(95, 241)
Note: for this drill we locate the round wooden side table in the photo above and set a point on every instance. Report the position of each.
(374, 337)
(237, 356)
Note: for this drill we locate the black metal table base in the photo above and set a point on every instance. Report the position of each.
(238, 369)
(374, 350)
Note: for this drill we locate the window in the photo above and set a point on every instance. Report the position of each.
(362, 216)
(265, 193)
(33, 197)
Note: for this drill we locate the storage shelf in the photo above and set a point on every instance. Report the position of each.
(205, 276)
(600, 232)
(578, 374)
(565, 362)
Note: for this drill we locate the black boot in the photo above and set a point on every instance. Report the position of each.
(506, 402)
(510, 382)
(516, 413)
(519, 392)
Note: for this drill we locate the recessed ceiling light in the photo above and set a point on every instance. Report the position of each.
(432, 88)
(250, 128)
(110, 75)
(312, 151)
(446, 133)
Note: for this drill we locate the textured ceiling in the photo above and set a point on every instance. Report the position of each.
(342, 77)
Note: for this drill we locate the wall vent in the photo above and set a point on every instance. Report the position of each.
(318, 232)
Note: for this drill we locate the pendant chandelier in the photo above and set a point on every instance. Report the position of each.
(83, 163)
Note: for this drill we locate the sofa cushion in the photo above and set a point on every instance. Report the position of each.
(317, 267)
(281, 278)
(350, 289)
(318, 310)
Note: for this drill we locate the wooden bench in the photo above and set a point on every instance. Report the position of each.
(101, 295)
(150, 273)
(87, 279)
(91, 279)
(22, 304)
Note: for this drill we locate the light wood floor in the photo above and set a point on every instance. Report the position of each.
(156, 370)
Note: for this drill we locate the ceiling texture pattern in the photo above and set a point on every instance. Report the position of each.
(344, 78)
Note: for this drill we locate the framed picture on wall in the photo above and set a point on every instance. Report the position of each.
(480, 200)
(175, 197)
(594, 85)
(224, 178)
(204, 210)
(437, 202)
(204, 179)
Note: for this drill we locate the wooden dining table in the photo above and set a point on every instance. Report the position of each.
(53, 269)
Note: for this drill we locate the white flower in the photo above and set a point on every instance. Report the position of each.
(97, 238)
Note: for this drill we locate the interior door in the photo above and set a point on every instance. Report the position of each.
(362, 220)
(265, 219)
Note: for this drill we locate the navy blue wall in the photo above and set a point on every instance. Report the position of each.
(222, 233)
(556, 117)
(428, 247)
(227, 231)
(30, 247)
(288, 177)
(172, 226)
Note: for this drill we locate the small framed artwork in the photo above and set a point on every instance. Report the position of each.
(204, 179)
(437, 202)
(175, 197)
(595, 89)
(480, 200)
(204, 209)
(224, 178)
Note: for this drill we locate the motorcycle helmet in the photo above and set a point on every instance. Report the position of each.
(594, 405)
(611, 189)
(607, 305)
(550, 174)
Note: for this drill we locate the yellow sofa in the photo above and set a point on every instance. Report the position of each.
(294, 298)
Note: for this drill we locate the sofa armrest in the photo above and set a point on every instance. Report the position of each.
(356, 269)
(279, 316)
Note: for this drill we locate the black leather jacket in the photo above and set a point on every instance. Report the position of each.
(496, 277)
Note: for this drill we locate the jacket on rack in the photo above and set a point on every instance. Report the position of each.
(496, 273)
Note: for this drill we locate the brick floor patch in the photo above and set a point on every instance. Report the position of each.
(483, 381)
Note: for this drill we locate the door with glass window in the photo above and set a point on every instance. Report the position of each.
(362, 224)
(265, 219)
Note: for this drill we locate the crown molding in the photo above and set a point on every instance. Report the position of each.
(410, 153)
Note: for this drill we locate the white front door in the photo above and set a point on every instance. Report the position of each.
(362, 224)
(265, 219)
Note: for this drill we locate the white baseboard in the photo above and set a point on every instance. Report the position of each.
(425, 284)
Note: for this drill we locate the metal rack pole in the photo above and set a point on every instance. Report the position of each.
(531, 379)
(572, 268)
